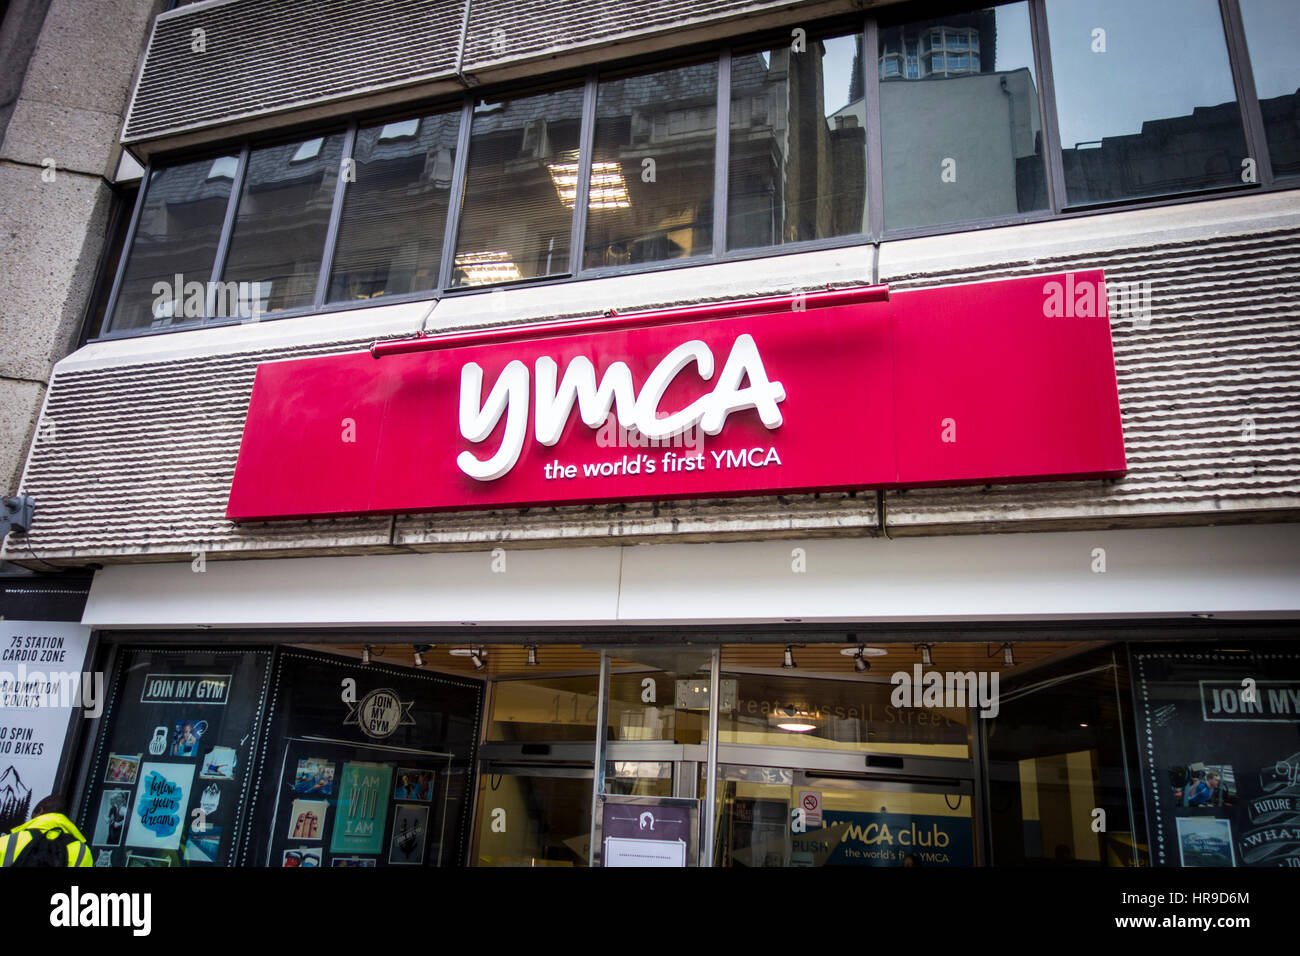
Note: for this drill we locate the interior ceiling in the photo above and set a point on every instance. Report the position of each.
(511, 660)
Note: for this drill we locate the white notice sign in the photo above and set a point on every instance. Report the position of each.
(41, 683)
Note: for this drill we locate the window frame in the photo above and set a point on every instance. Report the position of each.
(865, 25)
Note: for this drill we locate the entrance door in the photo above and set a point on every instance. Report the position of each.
(781, 816)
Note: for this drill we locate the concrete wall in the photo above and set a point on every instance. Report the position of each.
(69, 105)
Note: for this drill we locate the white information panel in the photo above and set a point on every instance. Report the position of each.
(42, 682)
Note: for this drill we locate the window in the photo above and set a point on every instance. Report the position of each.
(1272, 32)
(651, 195)
(1164, 123)
(284, 210)
(179, 226)
(394, 214)
(515, 223)
(1145, 110)
(798, 144)
(979, 153)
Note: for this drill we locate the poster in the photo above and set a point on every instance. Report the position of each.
(1219, 748)
(307, 820)
(301, 856)
(110, 822)
(219, 764)
(315, 775)
(161, 800)
(410, 830)
(362, 808)
(202, 846)
(886, 839)
(647, 831)
(122, 768)
(41, 684)
(413, 784)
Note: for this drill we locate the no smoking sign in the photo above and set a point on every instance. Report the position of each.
(811, 802)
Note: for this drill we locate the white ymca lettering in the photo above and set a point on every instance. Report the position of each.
(554, 400)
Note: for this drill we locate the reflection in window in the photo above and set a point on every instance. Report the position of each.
(284, 210)
(544, 708)
(963, 140)
(1149, 106)
(1058, 750)
(515, 223)
(798, 144)
(855, 715)
(652, 168)
(548, 816)
(179, 226)
(394, 214)
(1272, 32)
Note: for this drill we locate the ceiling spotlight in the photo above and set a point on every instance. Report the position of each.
(420, 650)
(532, 655)
(860, 663)
(788, 662)
(476, 654)
(1008, 657)
(365, 654)
(927, 659)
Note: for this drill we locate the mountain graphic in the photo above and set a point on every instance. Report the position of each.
(15, 799)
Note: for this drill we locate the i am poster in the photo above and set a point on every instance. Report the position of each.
(362, 808)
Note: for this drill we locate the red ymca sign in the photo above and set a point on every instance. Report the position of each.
(862, 388)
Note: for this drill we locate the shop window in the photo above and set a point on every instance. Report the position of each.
(967, 145)
(177, 234)
(1062, 767)
(171, 771)
(856, 823)
(1135, 121)
(854, 715)
(364, 765)
(283, 213)
(543, 708)
(395, 212)
(798, 159)
(546, 812)
(651, 193)
(1219, 735)
(1272, 27)
(515, 222)
(669, 703)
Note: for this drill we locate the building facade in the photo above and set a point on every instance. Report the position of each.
(976, 548)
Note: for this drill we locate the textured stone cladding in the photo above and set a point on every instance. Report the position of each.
(1209, 388)
(255, 60)
(134, 461)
